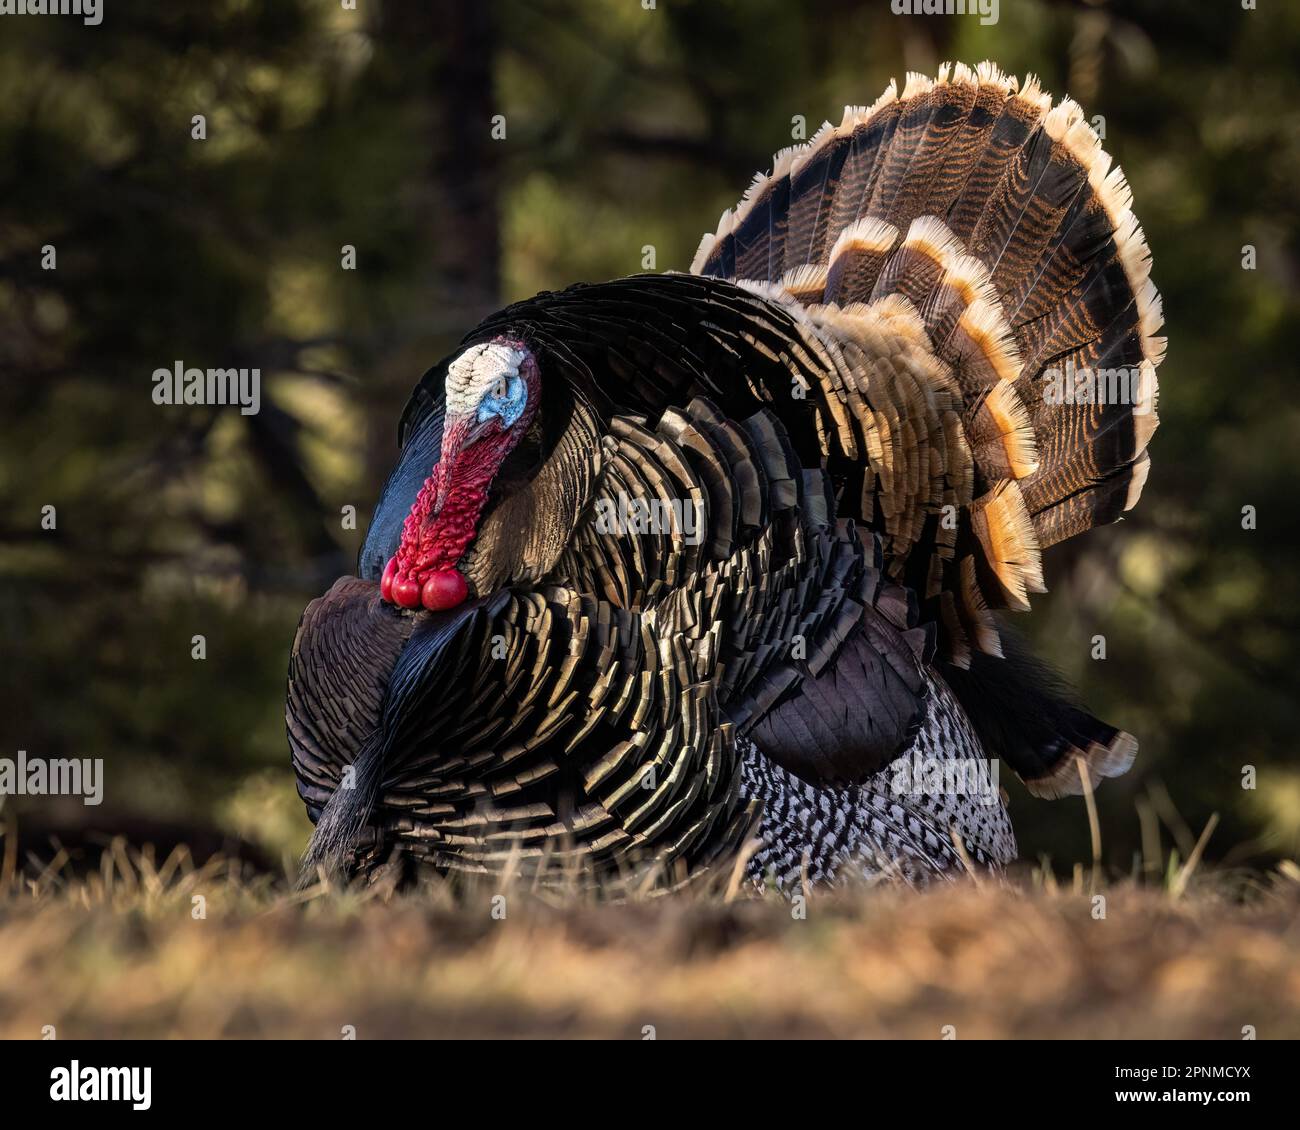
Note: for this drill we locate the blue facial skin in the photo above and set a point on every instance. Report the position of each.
(509, 407)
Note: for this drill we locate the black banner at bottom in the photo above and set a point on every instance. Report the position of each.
(341, 1078)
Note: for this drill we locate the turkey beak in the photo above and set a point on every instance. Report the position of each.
(459, 433)
(475, 430)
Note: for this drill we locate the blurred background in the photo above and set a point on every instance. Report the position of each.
(625, 126)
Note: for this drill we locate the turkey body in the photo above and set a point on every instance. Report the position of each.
(710, 562)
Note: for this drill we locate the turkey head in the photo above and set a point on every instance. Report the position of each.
(492, 393)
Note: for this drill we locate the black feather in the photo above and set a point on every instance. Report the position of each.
(1024, 710)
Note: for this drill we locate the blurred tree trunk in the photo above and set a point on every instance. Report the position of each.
(437, 58)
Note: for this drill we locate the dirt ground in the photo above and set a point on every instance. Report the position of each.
(177, 951)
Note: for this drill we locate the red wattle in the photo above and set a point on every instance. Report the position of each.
(406, 593)
(386, 581)
(444, 589)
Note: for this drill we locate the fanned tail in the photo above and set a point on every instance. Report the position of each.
(978, 238)
(972, 202)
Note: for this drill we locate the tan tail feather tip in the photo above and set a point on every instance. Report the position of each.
(971, 280)
(1141, 469)
(806, 282)
(855, 116)
(986, 325)
(1006, 534)
(988, 73)
(1011, 417)
(1102, 761)
(901, 313)
(866, 234)
(916, 84)
(932, 237)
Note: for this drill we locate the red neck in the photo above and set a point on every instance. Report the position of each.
(445, 515)
(435, 537)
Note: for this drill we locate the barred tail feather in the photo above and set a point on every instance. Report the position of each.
(1001, 220)
(964, 255)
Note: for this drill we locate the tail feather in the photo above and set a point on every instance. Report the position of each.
(915, 269)
(967, 255)
(1002, 223)
(1025, 713)
(856, 260)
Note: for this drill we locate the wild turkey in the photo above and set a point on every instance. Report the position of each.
(678, 560)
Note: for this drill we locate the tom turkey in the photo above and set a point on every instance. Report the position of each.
(676, 562)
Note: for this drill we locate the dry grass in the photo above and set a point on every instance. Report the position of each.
(121, 954)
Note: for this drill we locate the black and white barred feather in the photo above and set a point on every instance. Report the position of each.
(903, 822)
